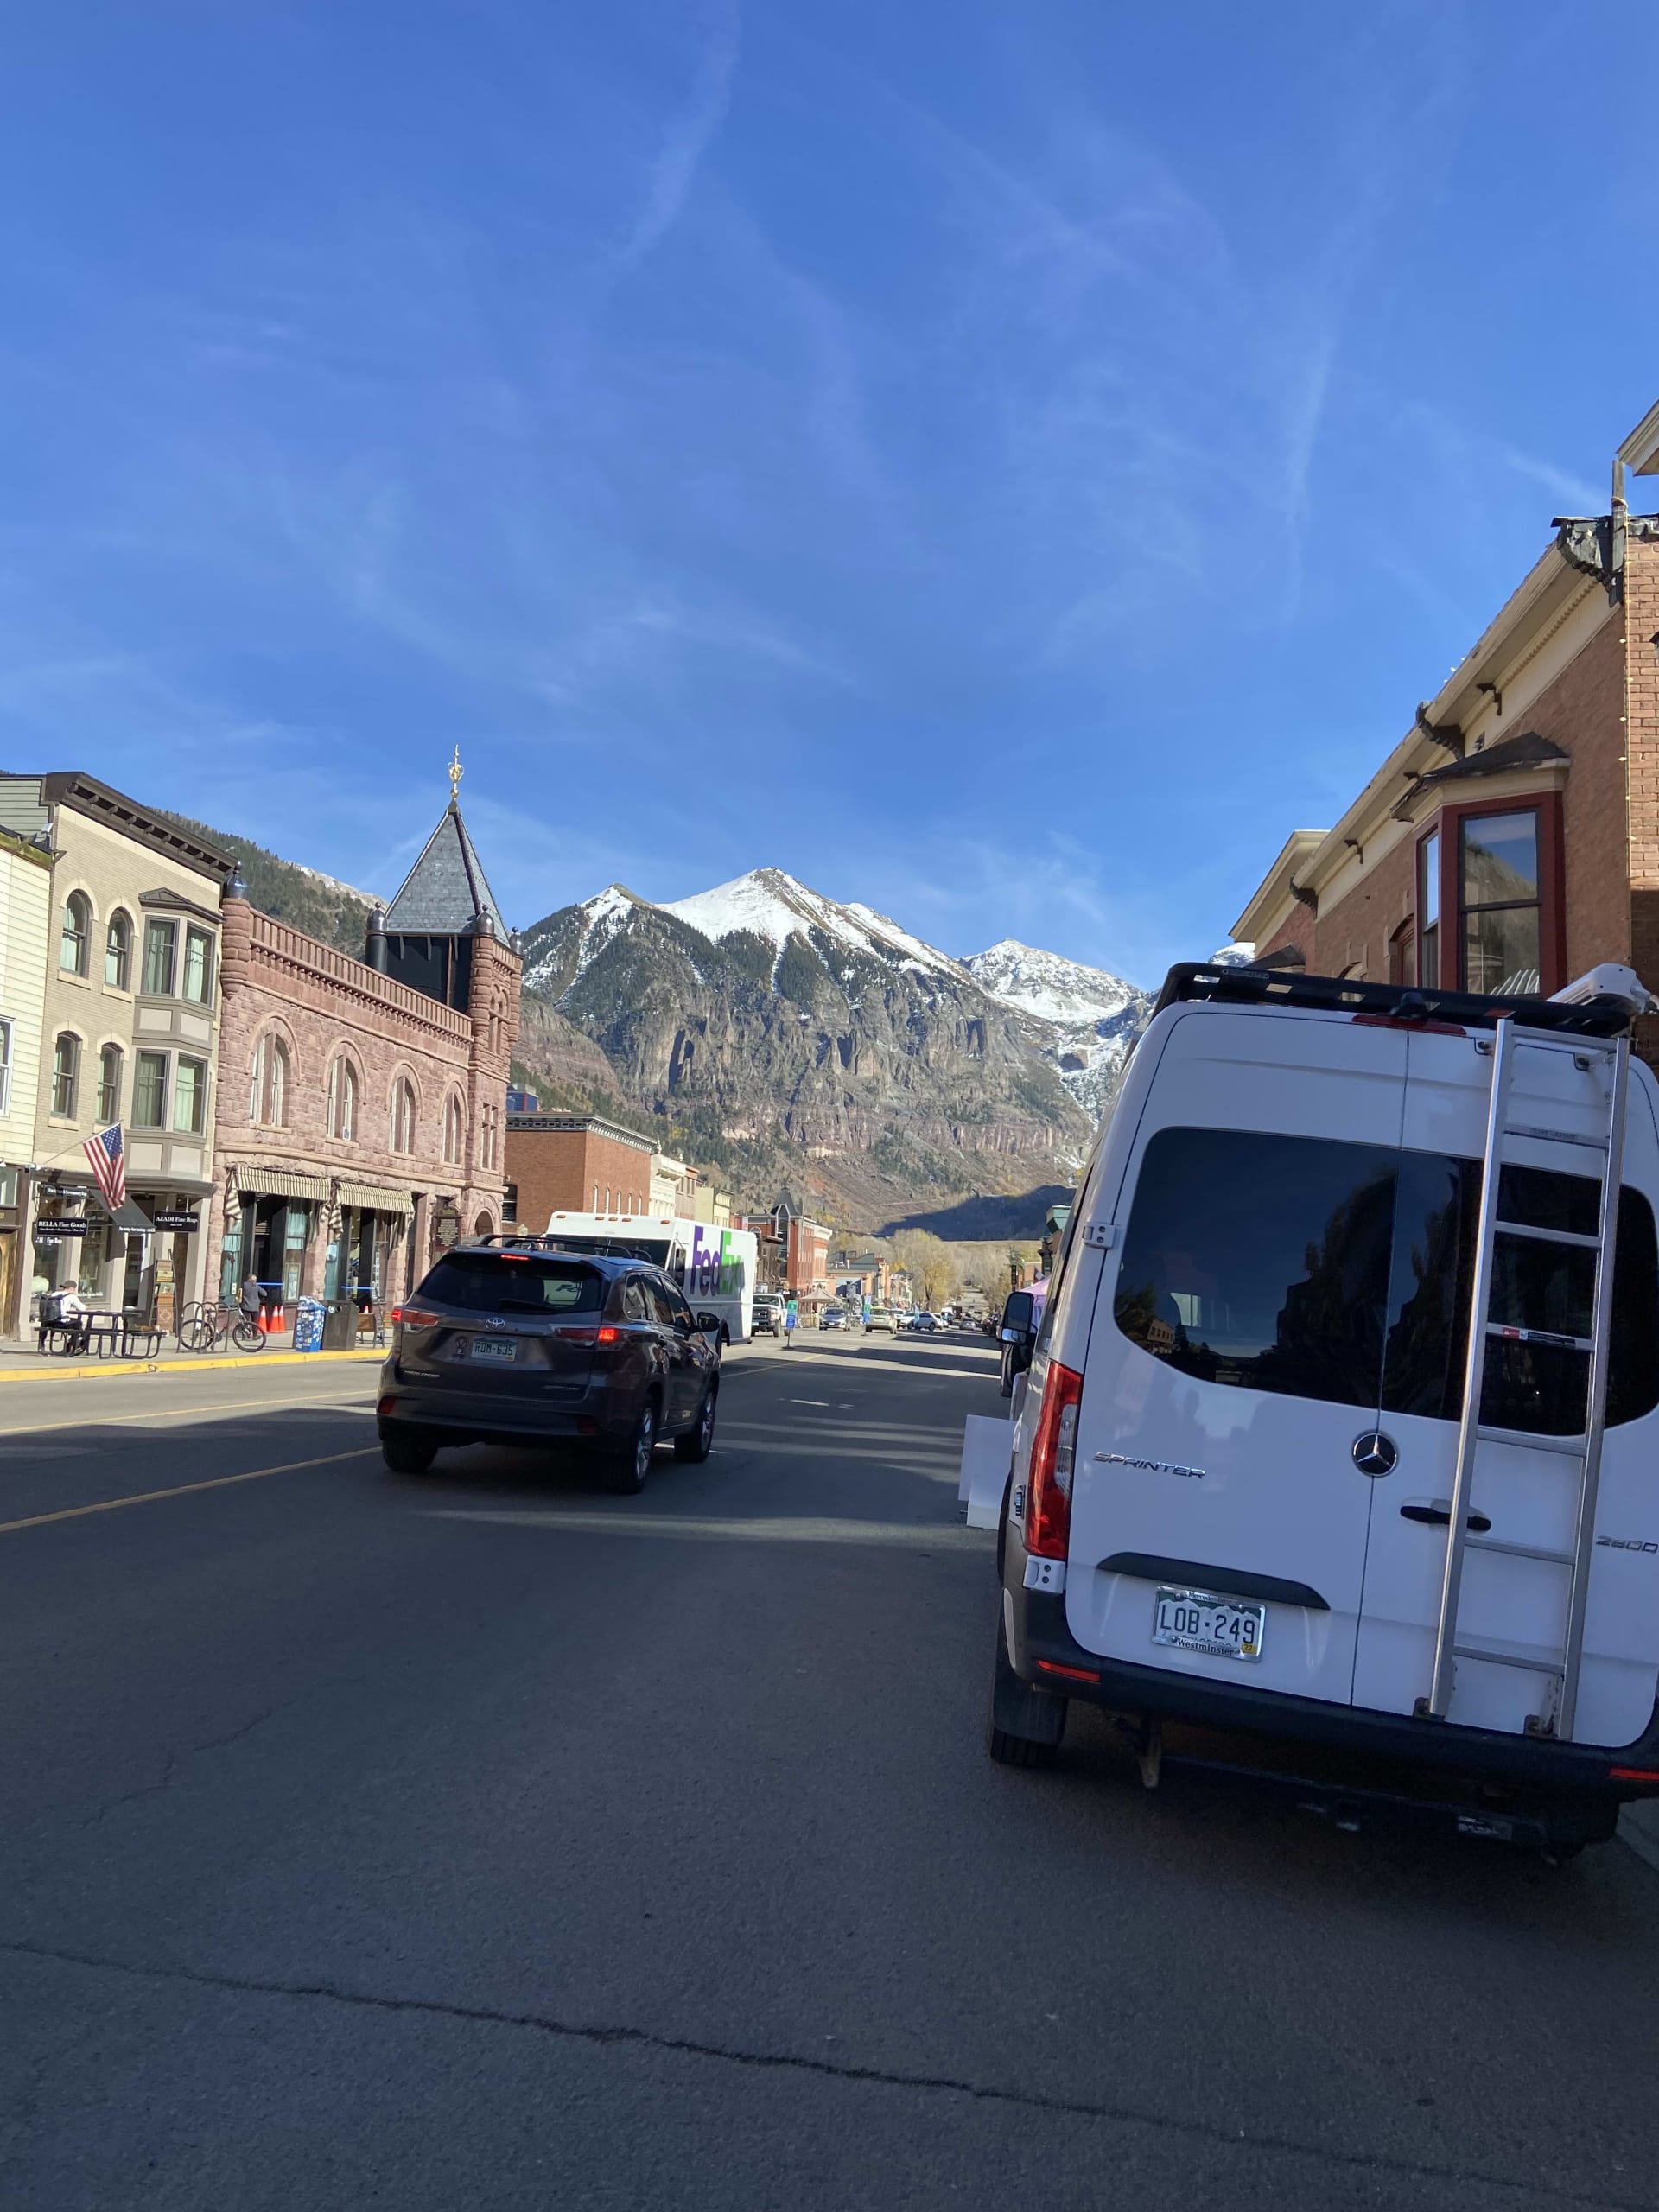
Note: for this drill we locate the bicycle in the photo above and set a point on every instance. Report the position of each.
(205, 1328)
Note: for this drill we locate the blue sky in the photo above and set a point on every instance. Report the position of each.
(1009, 464)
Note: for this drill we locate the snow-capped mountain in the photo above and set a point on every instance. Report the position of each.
(785, 1036)
(771, 903)
(1094, 1016)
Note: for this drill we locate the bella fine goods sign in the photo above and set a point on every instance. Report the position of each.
(49, 1229)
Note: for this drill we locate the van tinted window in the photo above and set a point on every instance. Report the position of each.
(514, 1282)
(1261, 1260)
(1319, 1269)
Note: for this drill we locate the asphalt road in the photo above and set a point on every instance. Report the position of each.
(480, 1841)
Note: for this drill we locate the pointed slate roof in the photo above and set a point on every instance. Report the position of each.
(445, 890)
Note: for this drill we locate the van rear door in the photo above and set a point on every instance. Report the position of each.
(1236, 1355)
(1522, 1494)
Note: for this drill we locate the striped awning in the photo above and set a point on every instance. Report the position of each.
(277, 1183)
(376, 1198)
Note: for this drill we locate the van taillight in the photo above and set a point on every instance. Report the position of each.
(1053, 1454)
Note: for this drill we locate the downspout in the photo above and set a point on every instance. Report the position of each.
(1616, 535)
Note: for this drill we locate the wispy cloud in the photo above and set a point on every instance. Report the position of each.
(690, 132)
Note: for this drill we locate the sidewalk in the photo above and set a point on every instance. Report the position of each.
(21, 1362)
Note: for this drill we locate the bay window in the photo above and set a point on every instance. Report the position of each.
(1499, 902)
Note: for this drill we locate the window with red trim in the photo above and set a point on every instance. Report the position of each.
(1494, 872)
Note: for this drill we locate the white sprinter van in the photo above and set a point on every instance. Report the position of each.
(1230, 1509)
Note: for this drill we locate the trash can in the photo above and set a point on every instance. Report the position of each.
(308, 1314)
(339, 1328)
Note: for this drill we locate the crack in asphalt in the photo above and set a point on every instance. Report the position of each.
(832, 2069)
(176, 1760)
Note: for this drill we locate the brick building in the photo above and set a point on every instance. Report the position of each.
(362, 1102)
(577, 1163)
(1510, 840)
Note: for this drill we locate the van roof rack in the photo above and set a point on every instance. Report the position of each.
(1607, 1015)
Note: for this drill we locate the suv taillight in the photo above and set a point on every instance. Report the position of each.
(414, 1316)
(1053, 1455)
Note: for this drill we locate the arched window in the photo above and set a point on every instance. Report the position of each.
(108, 1083)
(342, 1100)
(118, 951)
(453, 1129)
(76, 939)
(403, 1116)
(66, 1074)
(268, 1088)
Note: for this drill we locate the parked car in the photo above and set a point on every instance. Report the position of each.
(1258, 1482)
(768, 1318)
(882, 1318)
(924, 1325)
(516, 1347)
(833, 1317)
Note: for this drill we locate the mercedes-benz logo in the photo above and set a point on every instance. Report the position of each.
(1375, 1453)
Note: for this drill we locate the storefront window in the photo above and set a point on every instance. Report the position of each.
(199, 966)
(1428, 911)
(150, 1091)
(160, 957)
(189, 1095)
(94, 1259)
(1498, 896)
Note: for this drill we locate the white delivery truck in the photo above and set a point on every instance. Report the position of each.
(1341, 1443)
(715, 1266)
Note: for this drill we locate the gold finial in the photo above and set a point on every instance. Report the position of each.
(456, 771)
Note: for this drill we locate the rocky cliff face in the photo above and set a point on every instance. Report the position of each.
(777, 1034)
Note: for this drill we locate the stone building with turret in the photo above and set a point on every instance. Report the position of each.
(361, 1103)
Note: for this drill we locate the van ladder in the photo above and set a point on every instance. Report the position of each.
(1582, 1454)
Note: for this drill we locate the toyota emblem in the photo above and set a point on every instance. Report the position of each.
(1374, 1453)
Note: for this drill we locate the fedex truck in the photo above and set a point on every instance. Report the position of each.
(715, 1266)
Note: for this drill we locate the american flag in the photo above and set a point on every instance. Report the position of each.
(108, 1163)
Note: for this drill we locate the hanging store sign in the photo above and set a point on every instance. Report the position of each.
(50, 1227)
(446, 1228)
(182, 1222)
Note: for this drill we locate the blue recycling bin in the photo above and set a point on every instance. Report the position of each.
(308, 1324)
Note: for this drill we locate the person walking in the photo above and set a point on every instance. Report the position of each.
(791, 1322)
(252, 1298)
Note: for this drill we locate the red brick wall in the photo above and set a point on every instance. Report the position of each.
(1355, 932)
(555, 1171)
(1641, 706)
(1296, 929)
(1582, 712)
(277, 980)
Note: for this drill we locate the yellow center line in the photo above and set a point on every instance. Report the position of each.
(174, 1412)
(183, 1489)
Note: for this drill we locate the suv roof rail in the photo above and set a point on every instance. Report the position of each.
(1605, 1014)
(511, 1240)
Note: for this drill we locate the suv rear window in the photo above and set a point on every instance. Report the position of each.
(514, 1282)
(1319, 1269)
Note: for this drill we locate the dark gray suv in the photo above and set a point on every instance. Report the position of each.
(514, 1346)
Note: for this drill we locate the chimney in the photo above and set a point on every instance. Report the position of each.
(374, 947)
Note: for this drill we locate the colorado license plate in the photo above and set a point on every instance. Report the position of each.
(493, 1348)
(1200, 1620)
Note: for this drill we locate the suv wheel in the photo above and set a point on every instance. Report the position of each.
(1026, 1724)
(407, 1451)
(699, 1441)
(630, 1462)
